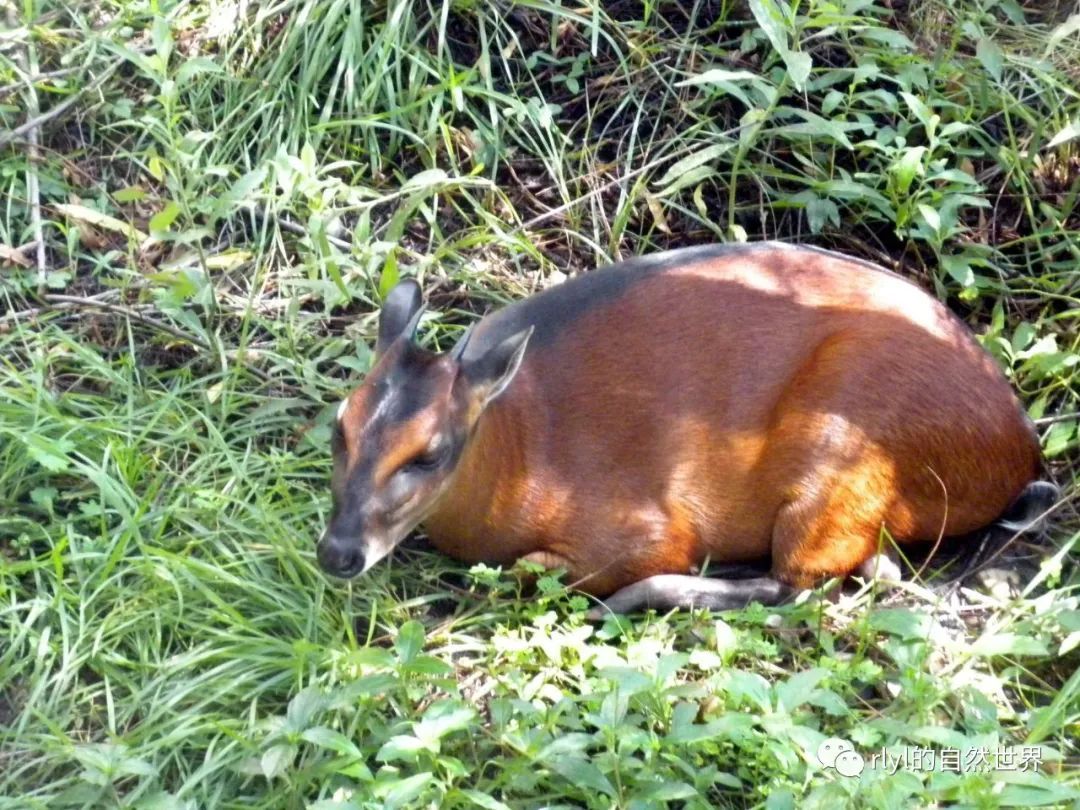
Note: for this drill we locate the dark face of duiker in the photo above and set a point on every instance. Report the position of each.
(399, 436)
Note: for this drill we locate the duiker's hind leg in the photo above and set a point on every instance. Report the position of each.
(672, 591)
(832, 528)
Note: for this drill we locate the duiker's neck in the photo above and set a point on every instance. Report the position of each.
(487, 489)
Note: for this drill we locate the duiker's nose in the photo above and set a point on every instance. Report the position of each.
(339, 556)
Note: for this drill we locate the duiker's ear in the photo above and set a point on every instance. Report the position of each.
(491, 372)
(400, 314)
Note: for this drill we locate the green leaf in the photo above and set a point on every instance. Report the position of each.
(1031, 788)
(427, 665)
(404, 748)
(1065, 29)
(959, 269)
(190, 68)
(774, 21)
(44, 496)
(989, 53)
(52, 454)
(581, 772)
(483, 800)
(160, 800)
(750, 687)
(628, 680)
(410, 641)
(1069, 132)
(717, 75)
(916, 105)
(780, 800)
(667, 792)
(442, 718)
(799, 65)
(931, 217)
(797, 689)
(901, 622)
(163, 219)
(332, 740)
(424, 181)
(815, 126)
(989, 645)
(735, 726)
(129, 194)
(681, 167)
(399, 792)
(390, 276)
(277, 759)
(303, 708)
(819, 211)
(240, 193)
(908, 167)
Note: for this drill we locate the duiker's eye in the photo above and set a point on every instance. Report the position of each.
(430, 458)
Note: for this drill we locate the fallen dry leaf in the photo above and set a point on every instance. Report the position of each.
(14, 256)
(80, 213)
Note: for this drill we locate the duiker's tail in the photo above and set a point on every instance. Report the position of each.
(1026, 515)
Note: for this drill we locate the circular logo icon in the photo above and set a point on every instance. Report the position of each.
(830, 749)
(849, 763)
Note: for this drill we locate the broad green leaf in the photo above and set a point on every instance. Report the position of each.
(736, 726)
(303, 707)
(820, 211)
(667, 792)
(581, 772)
(991, 56)
(332, 740)
(52, 454)
(680, 167)
(404, 748)
(1069, 132)
(427, 179)
(1068, 28)
(959, 269)
(932, 218)
(409, 641)
(481, 799)
(774, 21)
(908, 167)
(797, 689)
(442, 718)
(992, 644)
(129, 194)
(277, 759)
(901, 622)
(163, 219)
(400, 792)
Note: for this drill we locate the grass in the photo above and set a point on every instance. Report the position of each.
(222, 191)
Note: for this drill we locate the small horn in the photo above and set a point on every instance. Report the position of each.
(459, 347)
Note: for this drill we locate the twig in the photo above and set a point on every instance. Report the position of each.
(57, 301)
(300, 230)
(1060, 417)
(554, 212)
(119, 309)
(53, 112)
(7, 89)
(618, 181)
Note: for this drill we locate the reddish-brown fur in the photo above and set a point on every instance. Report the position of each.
(778, 422)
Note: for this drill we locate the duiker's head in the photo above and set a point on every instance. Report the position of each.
(399, 436)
